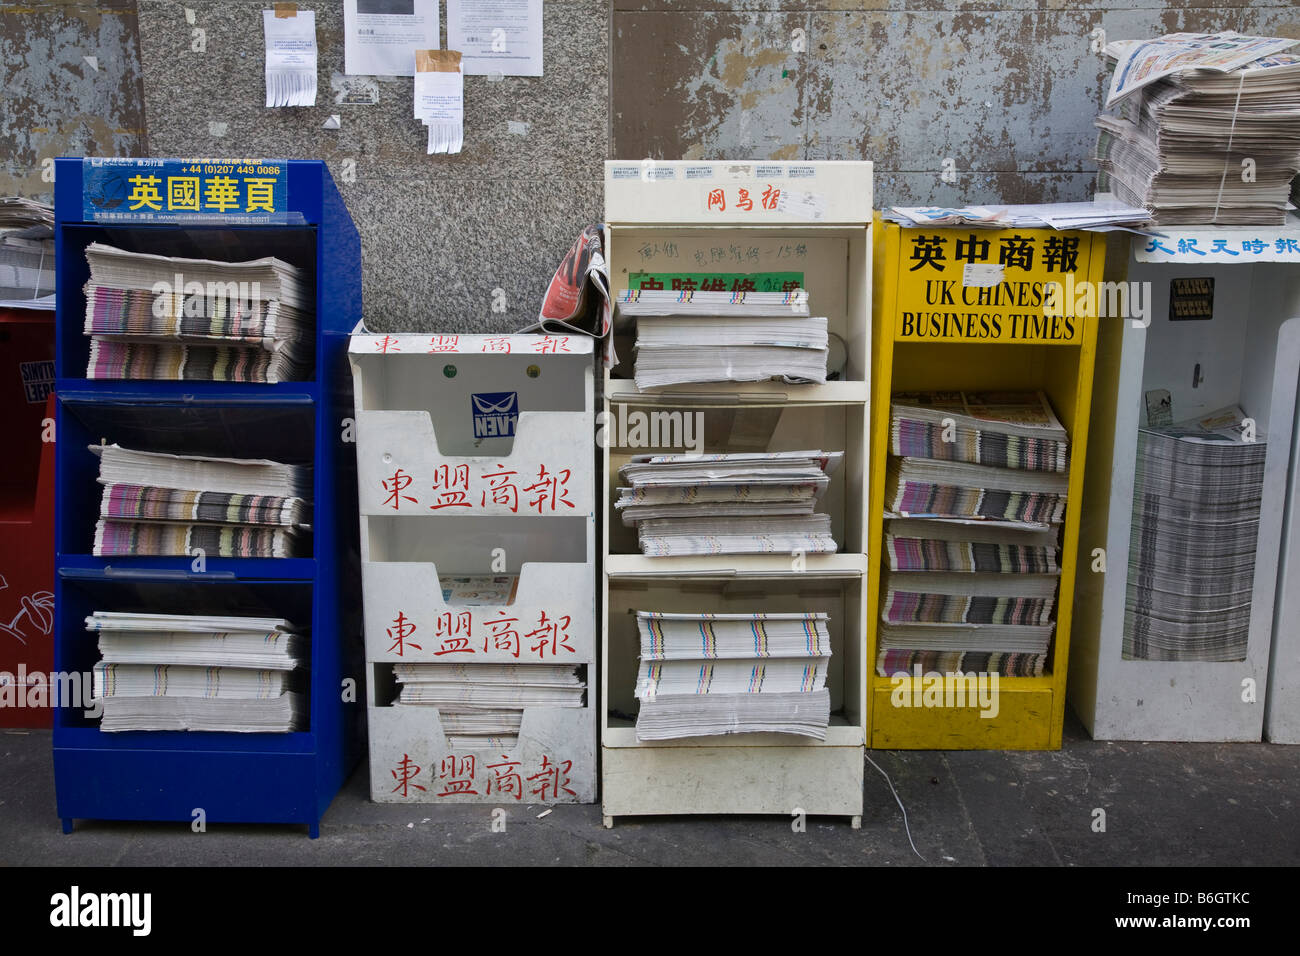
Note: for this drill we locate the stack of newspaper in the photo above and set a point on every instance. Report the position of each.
(975, 492)
(170, 505)
(481, 706)
(199, 672)
(1102, 214)
(1196, 508)
(699, 336)
(1203, 128)
(26, 254)
(743, 503)
(708, 674)
(160, 317)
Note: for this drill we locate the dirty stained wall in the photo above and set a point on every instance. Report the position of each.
(71, 87)
(1000, 94)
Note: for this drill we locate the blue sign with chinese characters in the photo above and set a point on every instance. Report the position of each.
(244, 191)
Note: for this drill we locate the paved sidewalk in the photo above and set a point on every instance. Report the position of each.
(1165, 805)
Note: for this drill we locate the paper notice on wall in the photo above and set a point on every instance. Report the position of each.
(440, 98)
(497, 36)
(290, 56)
(380, 37)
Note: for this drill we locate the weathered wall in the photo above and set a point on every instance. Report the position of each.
(438, 233)
(57, 103)
(1006, 89)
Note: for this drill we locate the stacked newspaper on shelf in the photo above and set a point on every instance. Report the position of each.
(1204, 128)
(169, 505)
(26, 253)
(708, 674)
(1003, 429)
(199, 672)
(954, 597)
(162, 317)
(701, 336)
(1196, 509)
(975, 492)
(741, 503)
(1006, 650)
(957, 544)
(481, 706)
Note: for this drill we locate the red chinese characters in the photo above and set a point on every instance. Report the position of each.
(444, 343)
(452, 484)
(551, 344)
(400, 633)
(549, 490)
(503, 634)
(496, 343)
(405, 774)
(718, 200)
(387, 344)
(505, 779)
(457, 776)
(550, 636)
(552, 778)
(503, 490)
(454, 630)
(395, 486)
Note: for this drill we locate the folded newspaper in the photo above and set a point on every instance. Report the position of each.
(578, 299)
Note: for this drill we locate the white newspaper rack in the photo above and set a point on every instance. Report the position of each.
(476, 476)
(1223, 305)
(731, 221)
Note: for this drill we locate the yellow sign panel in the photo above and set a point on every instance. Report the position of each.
(1005, 285)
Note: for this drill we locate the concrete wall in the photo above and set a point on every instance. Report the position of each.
(1005, 89)
(438, 233)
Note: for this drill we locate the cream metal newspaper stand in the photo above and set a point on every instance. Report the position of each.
(741, 219)
(475, 457)
(1248, 353)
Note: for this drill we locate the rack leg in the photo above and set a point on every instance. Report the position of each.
(313, 829)
(609, 822)
(67, 824)
(855, 823)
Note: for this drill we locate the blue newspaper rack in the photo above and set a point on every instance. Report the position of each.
(231, 210)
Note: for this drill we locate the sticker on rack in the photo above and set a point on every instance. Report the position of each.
(495, 414)
(804, 205)
(981, 275)
(38, 380)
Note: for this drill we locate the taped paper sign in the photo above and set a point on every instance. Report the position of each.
(380, 37)
(290, 56)
(497, 36)
(805, 205)
(981, 275)
(440, 98)
(354, 90)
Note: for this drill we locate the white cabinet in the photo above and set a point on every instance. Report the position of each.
(475, 459)
(690, 219)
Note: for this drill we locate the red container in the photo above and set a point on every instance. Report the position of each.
(26, 515)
